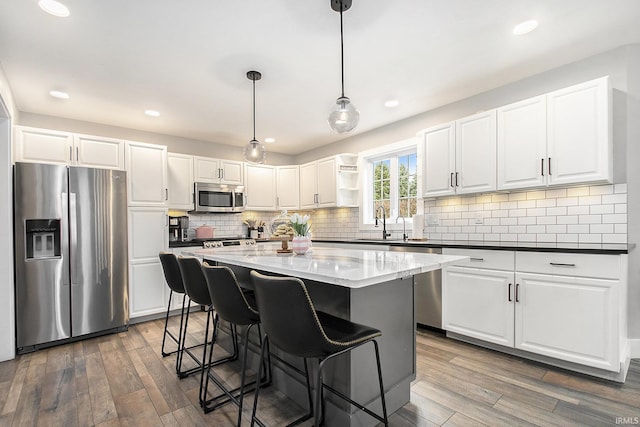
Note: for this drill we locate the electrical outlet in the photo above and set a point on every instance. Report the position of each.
(479, 218)
(433, 220)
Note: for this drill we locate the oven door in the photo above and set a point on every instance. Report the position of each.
(213, 198)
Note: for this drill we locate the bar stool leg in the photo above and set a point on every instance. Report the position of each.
(166, 323)
(205, 365)
(382, 397)
(265, 344)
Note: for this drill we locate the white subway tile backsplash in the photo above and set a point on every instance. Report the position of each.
(596, 213)
(578, 210)
(590, 219)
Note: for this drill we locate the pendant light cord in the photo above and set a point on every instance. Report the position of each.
(341, 50)
(254, 109)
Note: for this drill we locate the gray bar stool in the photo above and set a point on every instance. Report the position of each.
(293, 324)
(236, 307)
(195, 286)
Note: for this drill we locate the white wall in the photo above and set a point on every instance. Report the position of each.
(174, 144)
(7, 332)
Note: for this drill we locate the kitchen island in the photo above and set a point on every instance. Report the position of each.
(365, 286)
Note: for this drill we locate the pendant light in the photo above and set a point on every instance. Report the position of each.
(254, 151)
(344, 117)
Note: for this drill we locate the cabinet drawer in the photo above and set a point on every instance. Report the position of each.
(481, 258)
(563, 264)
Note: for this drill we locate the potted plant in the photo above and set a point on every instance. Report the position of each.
(301, 227)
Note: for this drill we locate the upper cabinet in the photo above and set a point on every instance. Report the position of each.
(460, 157)
(560, 138)
(47, 146)
(180, 181)
(260, 187)
(288, 187)
(220, 171)
(147, 169)
(329, 182)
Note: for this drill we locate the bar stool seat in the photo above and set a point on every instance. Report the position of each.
(292, 323)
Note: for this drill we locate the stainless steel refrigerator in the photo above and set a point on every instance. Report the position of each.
(70, 234)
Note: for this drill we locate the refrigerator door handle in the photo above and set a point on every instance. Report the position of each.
(66, 279)
(73, 236)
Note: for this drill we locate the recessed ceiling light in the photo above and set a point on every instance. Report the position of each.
(391, 103)
(525, 27)
(152, 113)
(54, 8)
(59, 94)
(269, 140)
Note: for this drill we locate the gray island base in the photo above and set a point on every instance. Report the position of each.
(374, 288)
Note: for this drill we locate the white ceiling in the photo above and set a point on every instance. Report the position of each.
(189, 59)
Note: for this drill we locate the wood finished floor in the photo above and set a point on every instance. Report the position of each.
(122, 380)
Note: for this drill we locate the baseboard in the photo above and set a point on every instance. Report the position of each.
(635, 348)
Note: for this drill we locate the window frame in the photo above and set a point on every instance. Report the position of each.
(391, 151)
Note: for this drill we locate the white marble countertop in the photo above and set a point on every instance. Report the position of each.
(353, 268)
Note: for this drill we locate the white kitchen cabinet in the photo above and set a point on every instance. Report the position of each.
(579, 143)
(48, 146)
(288, 187)
(522, 144)
(460, 157)
(98, 152)
(559, 138)
(180, 181)
(148, 235)
(477, 296)
(318, 184)
(260, 187)
(218, 171)
(566, 306)
(146, 166)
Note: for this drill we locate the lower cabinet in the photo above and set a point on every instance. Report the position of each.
(570, 307)
(148, 235)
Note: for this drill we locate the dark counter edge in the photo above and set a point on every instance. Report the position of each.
(583, 248)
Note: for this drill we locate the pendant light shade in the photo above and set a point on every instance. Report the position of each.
(254, 151)
(344, 117)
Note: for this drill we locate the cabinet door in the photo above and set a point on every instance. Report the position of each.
(148, 235)
(326, 180)
(206, 169)
(231, 172)
(568, 318)
(180, 176)
(439, 161)
(522, 144)
(147, 174)
(578, 135)
(308, 185)
(260, 187)
(478, 303)
(42, 146)
(98, 152)
(476, 153)
(288, 187)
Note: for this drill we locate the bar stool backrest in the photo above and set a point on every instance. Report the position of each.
(172, 272)
(227, 296)
(193, 279)
(288, 316)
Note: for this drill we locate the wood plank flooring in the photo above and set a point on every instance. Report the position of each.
(122, 380)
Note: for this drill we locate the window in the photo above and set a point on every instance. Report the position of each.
(393, 185)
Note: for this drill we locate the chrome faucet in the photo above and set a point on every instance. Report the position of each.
(384, 222)
(404, 228)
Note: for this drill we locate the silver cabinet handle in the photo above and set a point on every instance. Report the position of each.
(77, 154)
(70, 154)
(542, 167)
(561, 264)
(166, 194)
(549, 168)
(277, 202)
(476, 259)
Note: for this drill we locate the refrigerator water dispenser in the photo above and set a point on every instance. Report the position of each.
(42, 238)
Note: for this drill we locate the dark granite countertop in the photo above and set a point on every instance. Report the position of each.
(587, 248)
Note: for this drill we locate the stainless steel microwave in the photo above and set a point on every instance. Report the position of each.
(210, 197)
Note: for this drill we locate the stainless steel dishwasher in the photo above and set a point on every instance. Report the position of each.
(427, 290)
